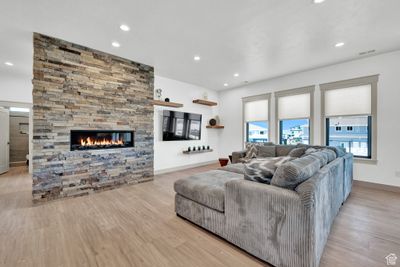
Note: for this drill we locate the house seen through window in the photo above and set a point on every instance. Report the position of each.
(355, 136)
(257, 131)
(294, 131)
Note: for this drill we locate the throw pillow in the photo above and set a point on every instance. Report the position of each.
(293, 173)
(251, 151)
(297, 152)
(283, 150)
(262, 170)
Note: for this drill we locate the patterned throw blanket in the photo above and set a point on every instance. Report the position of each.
(262, 169)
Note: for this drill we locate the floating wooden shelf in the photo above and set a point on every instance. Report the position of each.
(215, 127)
(197, 151)
(167, 104)
(205, 102)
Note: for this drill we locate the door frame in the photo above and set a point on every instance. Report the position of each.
(24, 105)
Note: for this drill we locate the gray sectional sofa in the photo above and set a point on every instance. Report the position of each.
(284, 227)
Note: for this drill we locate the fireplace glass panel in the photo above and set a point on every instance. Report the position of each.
(103, 139)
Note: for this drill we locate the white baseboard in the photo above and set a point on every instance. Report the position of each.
(184, 167)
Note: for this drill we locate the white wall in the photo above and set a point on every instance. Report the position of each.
(387, 65)
(16, 88)
(168, 155)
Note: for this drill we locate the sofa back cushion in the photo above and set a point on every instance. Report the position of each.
(290, 174)
(324, 155)
(339, 151)
(283, 150)
(320, 156)
(330, 153)
(265, 151)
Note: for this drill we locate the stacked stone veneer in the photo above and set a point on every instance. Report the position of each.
(75, 87)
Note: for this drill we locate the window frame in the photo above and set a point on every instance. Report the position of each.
(296, 91)
(369, 136)
(367, 80)
(244, 123)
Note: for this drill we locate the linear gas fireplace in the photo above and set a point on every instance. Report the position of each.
(102, 139)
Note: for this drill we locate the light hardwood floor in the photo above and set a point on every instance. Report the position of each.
(136, 226)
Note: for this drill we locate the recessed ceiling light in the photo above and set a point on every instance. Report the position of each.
(9, 63)
(236, 75)
(339, 44)
(196, 58)
(318, 1)
(16, 109)
(124, 27)
(115, 44)
(225, 84)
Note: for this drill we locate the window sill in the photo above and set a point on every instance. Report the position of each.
(366, 161)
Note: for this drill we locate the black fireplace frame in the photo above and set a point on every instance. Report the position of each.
(102, 131)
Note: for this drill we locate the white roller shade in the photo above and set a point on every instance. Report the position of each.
(256, 110)
(348, 101)
(294, 106)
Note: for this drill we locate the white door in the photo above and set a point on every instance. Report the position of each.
(4, 140)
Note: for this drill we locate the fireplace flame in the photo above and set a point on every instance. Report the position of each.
(100, 142)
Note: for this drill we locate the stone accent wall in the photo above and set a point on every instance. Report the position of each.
(75, 87)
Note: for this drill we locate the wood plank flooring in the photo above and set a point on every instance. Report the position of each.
(137, 226)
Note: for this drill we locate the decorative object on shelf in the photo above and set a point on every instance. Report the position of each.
(205, 96)
(205, 102)
(223, 161)
(197, 151)
(194, 148)
(159, 93)
(167, 99)
(189, 149)
(199, 148)
(204, 147)
(212, 122)
(208, 147)
(217, 119)
(166, 104)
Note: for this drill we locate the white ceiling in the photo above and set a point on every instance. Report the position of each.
(258, 39)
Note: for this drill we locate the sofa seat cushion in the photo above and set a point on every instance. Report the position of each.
(207, 188)
(236, 168)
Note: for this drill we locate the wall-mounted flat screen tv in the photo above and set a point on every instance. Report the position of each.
(178, 126)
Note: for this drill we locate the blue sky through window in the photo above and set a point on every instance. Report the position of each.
(293, 123)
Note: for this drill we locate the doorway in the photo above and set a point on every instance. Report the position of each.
(15, 135)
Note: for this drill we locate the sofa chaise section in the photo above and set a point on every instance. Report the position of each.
(280, 226)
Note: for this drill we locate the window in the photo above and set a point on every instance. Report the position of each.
(358, 141)
(256, 118)
(294, 112)
(294, 132)
(257, 131)
(355, 119)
